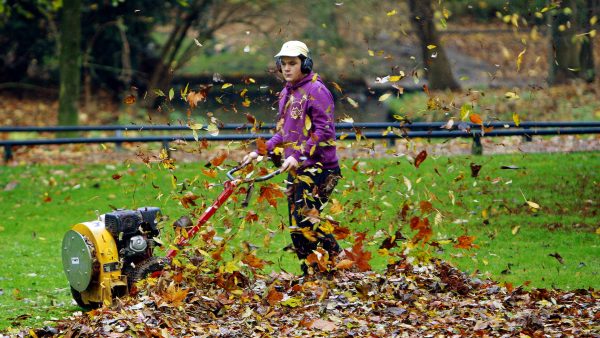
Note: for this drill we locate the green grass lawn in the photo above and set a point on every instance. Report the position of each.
(515, 240)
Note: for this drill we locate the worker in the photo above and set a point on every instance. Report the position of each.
(305, 134)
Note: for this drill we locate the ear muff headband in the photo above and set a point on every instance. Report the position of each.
(305, 67)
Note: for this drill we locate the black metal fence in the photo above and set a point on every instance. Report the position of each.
(240, 132)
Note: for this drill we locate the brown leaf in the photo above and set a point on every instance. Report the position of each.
(420, 158)
(274, 297)
(425, 206)
(251, 217)
(558, 257)
(116, 176)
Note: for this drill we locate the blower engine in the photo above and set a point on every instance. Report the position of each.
(103, 259)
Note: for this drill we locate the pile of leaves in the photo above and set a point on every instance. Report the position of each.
(341, 298)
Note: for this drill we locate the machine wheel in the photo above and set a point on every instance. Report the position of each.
(77, 297)
(145, 269)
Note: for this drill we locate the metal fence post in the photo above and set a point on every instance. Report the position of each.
(477, 148)
(118, 145)
(7, 153)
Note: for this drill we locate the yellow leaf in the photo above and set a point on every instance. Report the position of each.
(336, 207)
(371, 53)
(516, 119)
(226, 85)
(352, 102)
(516, 229)
(392, 12)
(533, 205)
(430, 47)
(511, 95)
(327, 227)
(520, 59)
(307, 122)
(347, 119)
(593, 20)
(598, 231)
(315, 77)
(465, 110)
(213, 129)
(292, 302)
(384, 97)
(395, 78)
(305, 178)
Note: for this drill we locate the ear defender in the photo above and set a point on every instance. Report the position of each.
(305, 67)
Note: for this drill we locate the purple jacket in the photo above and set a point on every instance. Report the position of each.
(305, 104)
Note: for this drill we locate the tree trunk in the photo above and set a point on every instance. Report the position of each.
(565, 49)
(70, 62)
(586, 57)
(161, 74)
(437, 67)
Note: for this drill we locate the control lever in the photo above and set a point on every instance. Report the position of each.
(248, 194)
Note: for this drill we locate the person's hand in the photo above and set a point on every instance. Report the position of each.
(250, 157)
(289, 163)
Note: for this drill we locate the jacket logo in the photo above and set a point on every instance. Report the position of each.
(296, 109)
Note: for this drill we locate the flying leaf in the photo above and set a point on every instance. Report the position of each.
(159, 92)
(384, 97)
(430, 47)
(352, 102)
(516, 118)
(520, 59)
(475, 118)
(261, 146)
(226, 85)
(130, 99)
(270, 193)
(171, 94)
(420, 158)
(307, 122)
(533, 205)
(336, 86)
(216, 161)
(392, 12)
(197, 43)
(558, 257)
(465, 111)
(515, 230)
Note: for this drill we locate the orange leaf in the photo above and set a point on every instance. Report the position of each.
(270, 193)
(209, 172)
(466, 242)
(261, 146)
(420, 158)
(475, 118)
(130, 99)
(344, 264)
(216, 161)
